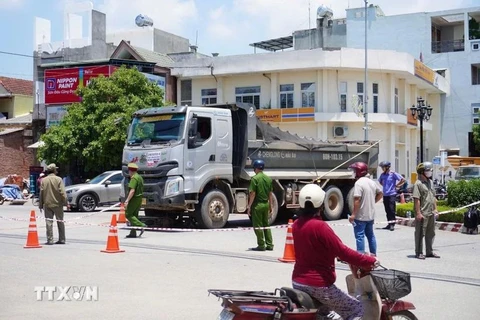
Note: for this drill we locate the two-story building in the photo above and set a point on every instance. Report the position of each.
(319, 94)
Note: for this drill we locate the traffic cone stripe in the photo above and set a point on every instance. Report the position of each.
(32, 237)
(289, 252)
(112, 241)
(121, 215)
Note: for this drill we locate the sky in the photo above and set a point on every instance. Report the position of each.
(223, 26)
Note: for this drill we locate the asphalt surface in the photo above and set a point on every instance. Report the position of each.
(165, 275)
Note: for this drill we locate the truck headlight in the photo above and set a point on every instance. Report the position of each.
(173, 186)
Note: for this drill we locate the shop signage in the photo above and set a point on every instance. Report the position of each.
(287, 115)
(158, 80)
(61, 84)
(424, 72)
(54, 115)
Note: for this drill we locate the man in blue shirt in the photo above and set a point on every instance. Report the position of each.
(390, 181)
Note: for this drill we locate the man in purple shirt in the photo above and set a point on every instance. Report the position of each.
(390, 181)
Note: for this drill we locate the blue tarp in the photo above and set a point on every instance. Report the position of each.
(11, 191)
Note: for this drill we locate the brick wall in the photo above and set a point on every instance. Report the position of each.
(15, 157)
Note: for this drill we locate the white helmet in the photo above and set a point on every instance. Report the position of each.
(313, 193)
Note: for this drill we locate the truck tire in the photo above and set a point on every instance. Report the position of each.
(213, 210)
(334, 203)
(349, 201)
(272, 219)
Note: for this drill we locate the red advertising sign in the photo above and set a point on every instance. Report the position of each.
(61, 84)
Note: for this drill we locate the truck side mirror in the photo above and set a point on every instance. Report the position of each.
(192, 132)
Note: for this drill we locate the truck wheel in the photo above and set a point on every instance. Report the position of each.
(272, 219)
(334, 203)
(349, 201)
(214, 210)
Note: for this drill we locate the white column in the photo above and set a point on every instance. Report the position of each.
(324, 105)
(407, 99)
(391, 81)
(274, 91)
(393, 144)
(179, 91)
(220, 97)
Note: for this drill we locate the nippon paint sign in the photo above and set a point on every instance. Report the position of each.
(158, 80)
(61, 84)
(55, 114)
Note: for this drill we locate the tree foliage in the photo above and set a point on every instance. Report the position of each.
(476, 136)
(93, 132)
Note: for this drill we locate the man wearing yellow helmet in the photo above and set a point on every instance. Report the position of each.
(425, 206)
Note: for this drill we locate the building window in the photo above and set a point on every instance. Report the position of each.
(308, 94)
(475, 74)
(248, 95)
(343, 96)
(286, 95)
(360, 91)
(396, 100)
(186, 92)
(475, 113)
(375, 97)
(209, 96)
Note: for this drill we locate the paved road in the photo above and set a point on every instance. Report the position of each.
(165, 275)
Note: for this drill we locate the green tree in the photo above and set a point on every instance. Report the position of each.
(94, 131)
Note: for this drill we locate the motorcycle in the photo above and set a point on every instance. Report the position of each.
(441, 192)
(378, 290)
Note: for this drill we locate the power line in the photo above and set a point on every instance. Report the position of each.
(17, 54)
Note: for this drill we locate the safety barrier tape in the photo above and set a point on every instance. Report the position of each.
(402, 221)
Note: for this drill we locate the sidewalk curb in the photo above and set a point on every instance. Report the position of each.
(444, 226)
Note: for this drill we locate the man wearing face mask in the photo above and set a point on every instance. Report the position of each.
(425, 206)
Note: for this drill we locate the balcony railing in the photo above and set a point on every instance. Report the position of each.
(448, 46)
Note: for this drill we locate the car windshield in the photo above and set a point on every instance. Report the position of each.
(157, 129)
(468, 173)
(99, 178)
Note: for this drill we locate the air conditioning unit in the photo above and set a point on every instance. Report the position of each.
(340, 131)
(475, 46)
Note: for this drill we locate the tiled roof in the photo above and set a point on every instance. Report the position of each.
(162, 60)
(17, 86)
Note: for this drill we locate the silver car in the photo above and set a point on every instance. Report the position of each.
(104, 189)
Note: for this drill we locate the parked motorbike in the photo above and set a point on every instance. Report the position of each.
(441, 192)
(379, 291)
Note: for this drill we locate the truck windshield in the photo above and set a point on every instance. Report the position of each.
(162, 128)
(467, 173)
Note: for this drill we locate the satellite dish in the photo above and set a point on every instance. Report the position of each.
(143, 21)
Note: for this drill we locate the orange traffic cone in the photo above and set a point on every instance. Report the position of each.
(402, 198)
(32, 238)
(121, 216)
(289, 252)
(112, 241)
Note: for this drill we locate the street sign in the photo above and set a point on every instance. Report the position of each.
(436, 160)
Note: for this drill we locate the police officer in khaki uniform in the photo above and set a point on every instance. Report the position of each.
(52, 199)
(260, 206)
(425, 206)
(133, 203)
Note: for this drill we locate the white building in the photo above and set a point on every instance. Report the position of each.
(449, 42)
(310, 92)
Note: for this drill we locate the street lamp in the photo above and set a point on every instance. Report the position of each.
(422, 113)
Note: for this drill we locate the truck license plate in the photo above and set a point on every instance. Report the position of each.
(226, 315)
(144, 201)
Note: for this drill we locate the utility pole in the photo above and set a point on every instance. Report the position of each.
(365, 85)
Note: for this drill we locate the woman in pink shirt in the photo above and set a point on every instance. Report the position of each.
(316, 247)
